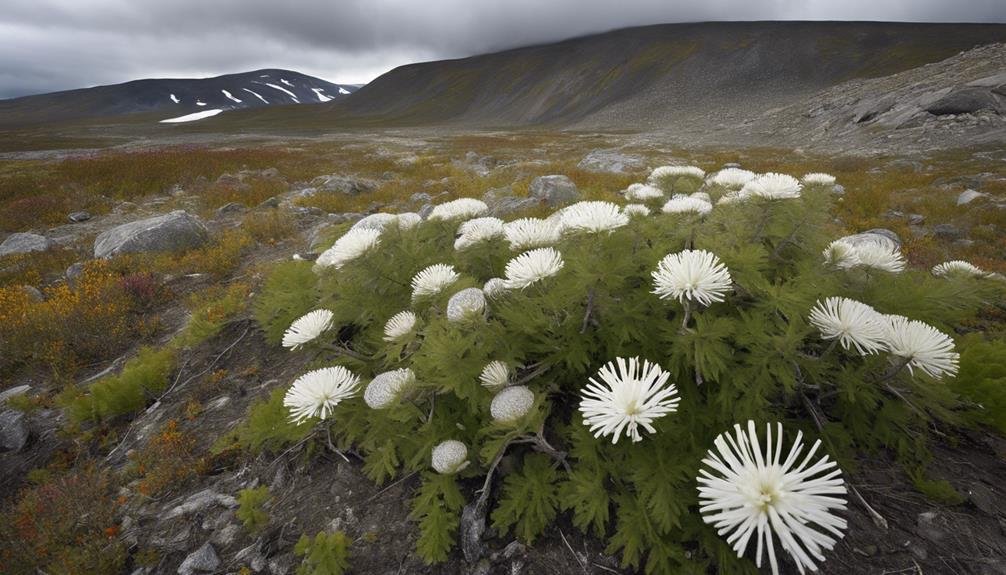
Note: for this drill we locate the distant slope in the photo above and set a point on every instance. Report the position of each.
(174, 97)
(645, 77)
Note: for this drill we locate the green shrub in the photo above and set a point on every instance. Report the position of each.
(268, 426)
(288, 293)
(938, 490)
(324, 554)
(754, 356)
(251, 510)
(210, 312)
(141, 379)
(982, 379)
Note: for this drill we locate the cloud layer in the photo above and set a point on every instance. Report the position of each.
(48, 45)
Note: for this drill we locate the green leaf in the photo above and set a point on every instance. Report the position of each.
(530, 499)
(437, 508)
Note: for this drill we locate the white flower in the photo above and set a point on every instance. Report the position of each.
(461, 208)
(376, 221)
(733, 197)
(478, 230)
(682, 204)
(307, 327)
(511, 404)
(350, 246)
(696, 275)
(400, 325)
(528, 233)
(316, 393)
(662, 172)
(467, 303)
(749, 490)
(880, 255)
(732, 178)
(433, 280)
(628, 396)
(494, 288)
(841, 254)
(643, 193)
(922, 346)
(532, 266)
(850, 322)
(449, 457)
(701, 196)
(409, 220)
(772, 186)
(495, 375)
(386, 388)
(818, 179)
(593, 217)
(633, 210)
(958, 267)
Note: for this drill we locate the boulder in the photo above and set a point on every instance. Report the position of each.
(948, 232)
(966, 100)
(968, 196)
(200, 501)
(502, 202)
(348, 185)
(13, 430)
(13, 392)
(554, 190)
(77, 217)
(611, 161)
(22, 243)
(481, 165)
(874, 235)
(170, 232)
(202, 560)
(231, 208)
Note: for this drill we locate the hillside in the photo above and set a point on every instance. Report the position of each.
(174, 97)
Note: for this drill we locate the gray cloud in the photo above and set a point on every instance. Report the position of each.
(50, 45)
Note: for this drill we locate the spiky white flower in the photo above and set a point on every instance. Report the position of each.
(772, 186)
(386, 388)
(409, 220)
(466, 304)
(350, 246)
(511, 403)
(494, 288)
(682, 204)
(732, 178)
(495, 375)
(432, 280)
(701, 196)
(841, 254)
(695, 275)
(376, 221)
(880, 255)
(660, 173)
(922, 346)
(461, 208)
(316, 393)
(307, 327)
(643, 193)
(732, 197)
(400, 325)
(449, 457)
(958, 267)
(532, 266)
(629, 394)
(746, 490)
(850, 322)
(592, 217)
(634, 210)
(818, 179)
(527, 233)
(478, 230)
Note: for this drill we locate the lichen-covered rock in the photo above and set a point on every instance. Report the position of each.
(202, 560)
(22, 243)
(13, 431)
(554, 190)
(177, 230)
(348, 185)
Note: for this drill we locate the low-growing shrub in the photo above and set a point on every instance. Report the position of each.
(324, 554)
(631, 368)
(269, 226)
(251, 510)
(167, 461)
(140, 381)
(288, 292)
(250, 192)
(210, 311)
(268, 427)
(982, 379)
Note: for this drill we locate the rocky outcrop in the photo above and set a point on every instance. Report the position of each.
(22, 243)
(554, 190)
(349, 185)
(177, 230)
(611, 161)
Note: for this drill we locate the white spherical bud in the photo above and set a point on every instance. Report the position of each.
(450, 457)
(465, 304)
(386, 388)
(511, 404)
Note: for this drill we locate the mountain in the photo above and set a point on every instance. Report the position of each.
(175, 98)
(690, 76)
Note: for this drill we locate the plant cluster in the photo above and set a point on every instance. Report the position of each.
(650, 371)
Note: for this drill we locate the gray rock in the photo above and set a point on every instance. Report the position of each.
(73, 272)
(554, 190)
(948, 232)
(934, 526)
(226, 535)
(966, 100)
(13, 430)
(231, 208)
(252, 556)
(426, 210)
(272, 202)
(916, 219)
(838, 190)
(200, 501)
(33, 292)
(874, 235)
(77, 217)
(611, 161)
(481, 165)
(202, 560)
(473, 525)
(13, 392)
(983, 498)
(968, 196)
(348, 185)
(281, 564)
(22, 243)
(169, 232)
(420, 198)
(502, 202)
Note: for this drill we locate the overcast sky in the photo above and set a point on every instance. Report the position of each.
(48, 45)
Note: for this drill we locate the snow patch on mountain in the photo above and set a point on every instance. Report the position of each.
(175, 99)
(343, 90)
(192, 117)
(320, 92)
(256, 94)
(287, 83)
(282, 89)
(230, 97)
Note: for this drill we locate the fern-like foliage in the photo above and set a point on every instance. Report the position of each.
(323, 554)
(437, 508)
(530, 499)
